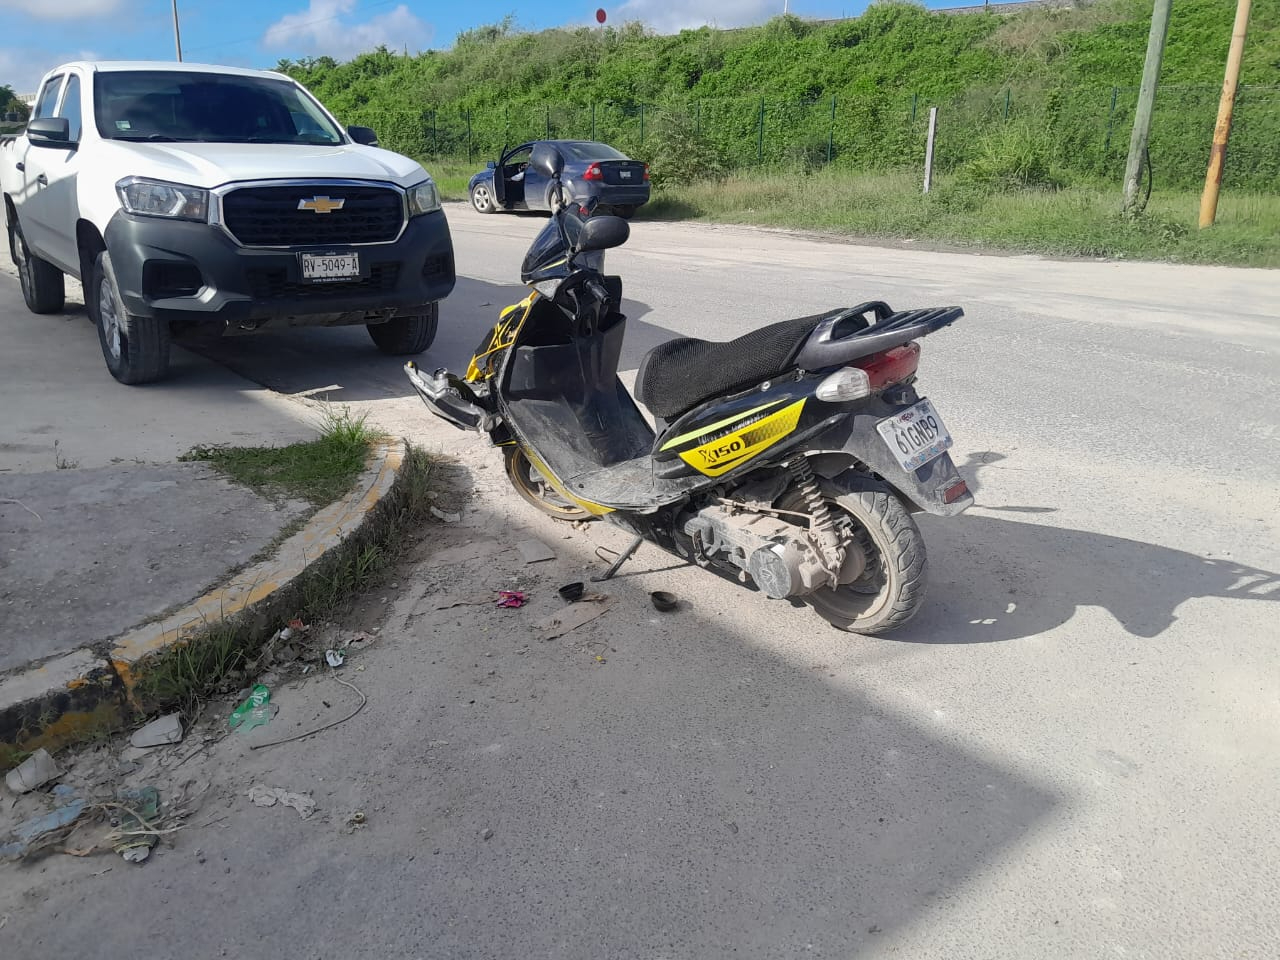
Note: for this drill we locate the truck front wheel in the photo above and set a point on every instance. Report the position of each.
(43, 286)
(402, 336)
(136, 348)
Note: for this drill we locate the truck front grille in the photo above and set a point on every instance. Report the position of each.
(271, 217)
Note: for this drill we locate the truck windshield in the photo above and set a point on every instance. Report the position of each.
(208, 108)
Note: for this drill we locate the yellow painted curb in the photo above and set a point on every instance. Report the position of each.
(324, 531)
(84, 692)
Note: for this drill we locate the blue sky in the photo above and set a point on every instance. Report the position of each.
(38, 34)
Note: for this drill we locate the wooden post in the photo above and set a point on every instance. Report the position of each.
(928, 150)
(760, 135)
(1222, 130)
(1111, 117)
(831, 131)
(1146, 103)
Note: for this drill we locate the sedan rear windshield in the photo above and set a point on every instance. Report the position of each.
(586, 151)
(208, 108)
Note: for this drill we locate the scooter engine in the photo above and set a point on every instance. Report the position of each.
(777, 555)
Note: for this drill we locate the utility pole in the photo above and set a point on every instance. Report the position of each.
(177, 36)
(1222, 130)
(1146, 102)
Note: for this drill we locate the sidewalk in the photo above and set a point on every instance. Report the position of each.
(87, 554)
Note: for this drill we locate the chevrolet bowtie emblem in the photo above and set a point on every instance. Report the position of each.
(321, 204)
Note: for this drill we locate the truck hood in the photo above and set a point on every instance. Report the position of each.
(215, 164)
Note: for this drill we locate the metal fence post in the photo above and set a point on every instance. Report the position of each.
(593, 120)
(1111, 119)
(697, 118)
(915, 99)
(469, 151)
(642, 124)
(831, 130)
(435, 132)
(928, 150)
(760, 135)
(1008, 95)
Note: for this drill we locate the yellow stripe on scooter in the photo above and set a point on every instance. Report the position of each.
(712, 427)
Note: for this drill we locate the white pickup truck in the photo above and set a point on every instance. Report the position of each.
(185, 196)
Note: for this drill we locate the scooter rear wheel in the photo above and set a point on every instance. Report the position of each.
(892, 587)
(532, 486)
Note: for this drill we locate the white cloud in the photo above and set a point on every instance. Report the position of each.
(667, 17)
(324, 29)
(22, 68)
(61, 9)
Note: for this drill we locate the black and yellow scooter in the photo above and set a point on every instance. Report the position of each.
(791, 458)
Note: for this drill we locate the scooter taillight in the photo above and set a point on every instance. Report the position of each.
(891, 366)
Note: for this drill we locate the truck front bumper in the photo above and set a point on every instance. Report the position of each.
(189, 272)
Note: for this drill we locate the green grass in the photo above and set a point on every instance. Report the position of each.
(452, 176)
(231, 653)
(1079, 221)
(319, 471)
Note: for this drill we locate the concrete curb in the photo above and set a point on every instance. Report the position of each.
(99, 689)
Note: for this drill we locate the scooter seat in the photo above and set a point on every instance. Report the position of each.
(678, 375)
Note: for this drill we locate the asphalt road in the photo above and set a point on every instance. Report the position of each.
(1072, 752)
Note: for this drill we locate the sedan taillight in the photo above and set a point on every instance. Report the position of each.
(593, 173)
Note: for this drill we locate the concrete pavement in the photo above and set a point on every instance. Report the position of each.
(1071, 752)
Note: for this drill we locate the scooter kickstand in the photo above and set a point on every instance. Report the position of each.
(623, 557)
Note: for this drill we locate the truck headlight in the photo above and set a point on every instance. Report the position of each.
(423, 198)
(155, 198)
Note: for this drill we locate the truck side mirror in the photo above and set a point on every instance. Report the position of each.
(363, 135)
(52, 132)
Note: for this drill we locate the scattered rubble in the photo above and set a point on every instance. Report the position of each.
(534, 551)
(37, 770)
(264, 796)
(571, 618)
(158, 732)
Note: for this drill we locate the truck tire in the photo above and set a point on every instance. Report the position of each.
(43, 285)
(403, 336)
(136, 348)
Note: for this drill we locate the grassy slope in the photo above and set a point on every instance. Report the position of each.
(1061, 65)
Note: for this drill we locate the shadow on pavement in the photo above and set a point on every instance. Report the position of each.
(304, 360)
(702, 790)
(975, 561)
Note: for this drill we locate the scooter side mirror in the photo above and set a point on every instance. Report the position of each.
(603, 233)
(547, 160)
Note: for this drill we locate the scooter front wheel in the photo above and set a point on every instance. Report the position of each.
(529, 482)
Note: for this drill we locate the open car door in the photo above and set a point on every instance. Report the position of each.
(508, 178)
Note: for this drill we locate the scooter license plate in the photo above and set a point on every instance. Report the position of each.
(915, 436)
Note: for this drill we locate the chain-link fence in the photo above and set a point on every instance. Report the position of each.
(1086, 131)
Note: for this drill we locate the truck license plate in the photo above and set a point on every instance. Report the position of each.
(915, 436)
(320, 268)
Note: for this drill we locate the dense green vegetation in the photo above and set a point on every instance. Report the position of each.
(853, 93)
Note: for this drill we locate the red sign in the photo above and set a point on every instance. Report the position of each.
(600, 15)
